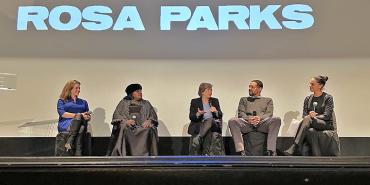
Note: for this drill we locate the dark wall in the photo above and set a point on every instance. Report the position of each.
(44, 146)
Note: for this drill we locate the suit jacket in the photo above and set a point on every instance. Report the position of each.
(194, 126)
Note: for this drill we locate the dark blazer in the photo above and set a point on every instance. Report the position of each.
(194, 126)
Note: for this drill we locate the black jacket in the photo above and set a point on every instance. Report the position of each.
(327, 107)
(194, 124)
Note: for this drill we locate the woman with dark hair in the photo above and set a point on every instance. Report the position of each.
(135, 123)
(318, 111)
(73, 116)
(206, 123)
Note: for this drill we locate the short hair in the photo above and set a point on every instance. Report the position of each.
(66, 92)
(203, 87)
(321, 80)
(259, 83)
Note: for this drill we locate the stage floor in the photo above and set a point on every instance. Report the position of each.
(181, 161)
(189, 170)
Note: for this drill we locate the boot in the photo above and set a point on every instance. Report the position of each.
(75, 127)
(78, 148)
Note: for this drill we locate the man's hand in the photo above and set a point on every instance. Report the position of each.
(254, 120)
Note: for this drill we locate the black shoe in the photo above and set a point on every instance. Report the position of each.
(271, 153)
(290, 151)
(241, 153)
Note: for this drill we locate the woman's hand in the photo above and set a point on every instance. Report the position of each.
(213, 109)
(200, 112)
(86, 116)
(130, 122)
(312, 114)
(147, 124)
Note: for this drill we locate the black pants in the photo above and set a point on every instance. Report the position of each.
(305, 125)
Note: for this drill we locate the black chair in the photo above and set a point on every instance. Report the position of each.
(255, 143)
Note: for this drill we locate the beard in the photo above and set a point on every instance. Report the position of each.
(251, 93)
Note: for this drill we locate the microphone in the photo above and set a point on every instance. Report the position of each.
(210, 105)
(314, 106)
(133, 117)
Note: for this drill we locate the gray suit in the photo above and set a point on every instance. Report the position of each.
(263, 107)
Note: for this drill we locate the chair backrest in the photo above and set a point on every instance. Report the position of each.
(334, 121)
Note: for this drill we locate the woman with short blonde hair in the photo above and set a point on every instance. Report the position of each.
(203, 87)
(205, 123)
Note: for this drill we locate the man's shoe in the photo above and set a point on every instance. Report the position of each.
(241, 153)
(271, 153)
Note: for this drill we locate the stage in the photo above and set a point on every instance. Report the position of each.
(187, 170)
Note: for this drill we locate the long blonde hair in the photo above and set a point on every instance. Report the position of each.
(66, 92)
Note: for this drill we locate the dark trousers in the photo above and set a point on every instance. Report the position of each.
(304, 128)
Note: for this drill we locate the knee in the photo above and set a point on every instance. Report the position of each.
(311, 132)
(307, 119)
(233, 122)
(209, 121)
(276, 121)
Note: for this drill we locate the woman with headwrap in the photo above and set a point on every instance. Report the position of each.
(135, 126)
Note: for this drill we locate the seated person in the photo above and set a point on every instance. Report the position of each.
(206, 120)
(255, 114)
(317, 116)
(136, 123)
(73, 116)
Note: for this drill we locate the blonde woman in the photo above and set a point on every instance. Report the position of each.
(73, 116)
